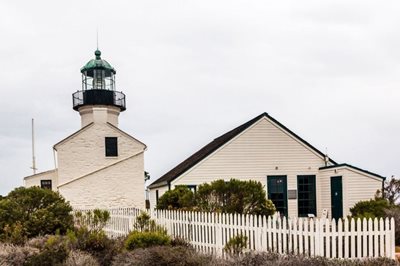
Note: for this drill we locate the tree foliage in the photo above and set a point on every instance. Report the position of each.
(370, 208)
(234, 196)
(37, 211)
(181, 197)
(391, 190)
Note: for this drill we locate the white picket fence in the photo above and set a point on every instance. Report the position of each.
(209, 232)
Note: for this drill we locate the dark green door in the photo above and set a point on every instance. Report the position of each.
(277, 192)
(336, 197)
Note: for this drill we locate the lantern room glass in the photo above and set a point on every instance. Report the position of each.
(98, 79)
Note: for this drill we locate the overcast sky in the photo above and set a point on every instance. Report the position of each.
(192, 70)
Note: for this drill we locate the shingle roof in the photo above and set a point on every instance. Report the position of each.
(351, 166)
(216, 144)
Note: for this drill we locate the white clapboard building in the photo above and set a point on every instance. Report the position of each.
(98, 166)
(298, 178)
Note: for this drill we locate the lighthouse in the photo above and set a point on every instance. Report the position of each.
(100, 165)
(98, 101)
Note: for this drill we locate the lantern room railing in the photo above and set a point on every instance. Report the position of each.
(98, 97)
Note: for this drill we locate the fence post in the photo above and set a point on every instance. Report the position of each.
(218, 234)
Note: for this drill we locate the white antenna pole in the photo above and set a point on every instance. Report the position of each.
(97, 38)
(33, 147)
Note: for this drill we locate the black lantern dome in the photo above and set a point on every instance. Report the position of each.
(98, 85)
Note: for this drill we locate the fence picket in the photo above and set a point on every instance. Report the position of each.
(209, 232)
(334, 239)
(359, 232)
(352, 238)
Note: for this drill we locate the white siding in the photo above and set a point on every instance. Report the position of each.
(263, 149)
(356, 185)
(121, 185)
(324, 191)
(85, 152)
(152, 195)
(34, 180)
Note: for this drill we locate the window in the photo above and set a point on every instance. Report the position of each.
(156, 196)
(111, 146)
(277, 193)
(306, 195)
(45, 184)
(193, 188)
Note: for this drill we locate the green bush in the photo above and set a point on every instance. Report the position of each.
(144, 223)
(236, 245)
(181, 197)
(370, 208)
(235, 196)
(55, 252)
(94, 220)
(38, 211)
(146, 239)
(395, 213)
(88, 236)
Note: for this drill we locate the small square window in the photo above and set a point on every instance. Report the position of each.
(45, 184)
(111, 146)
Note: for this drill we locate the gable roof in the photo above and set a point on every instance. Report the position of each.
(353, 167)
(72, 135)
(41, 173)
(89, 125)
(219, 142)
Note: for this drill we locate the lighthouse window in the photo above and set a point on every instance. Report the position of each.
(111, 146)
(45, 184)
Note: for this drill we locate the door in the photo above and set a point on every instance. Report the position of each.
(336, 197)
(277, 193)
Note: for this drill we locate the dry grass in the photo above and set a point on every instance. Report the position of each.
(79, 258)
(11, 255)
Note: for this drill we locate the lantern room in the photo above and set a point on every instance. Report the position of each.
(98, 85)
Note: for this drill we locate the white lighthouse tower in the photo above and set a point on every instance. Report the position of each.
(99, 166)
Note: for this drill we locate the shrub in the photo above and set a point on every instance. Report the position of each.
(178, 241)
(181, 197)
(395, 213)
(370, 208)
(79, 258)
(236, 245)
(14, 234)
(163, 256)
(15, 255)
(95, 243)
(89, 236)
(273, 259)
(235, 196)
(146, 239)
(94, 220)
(38, 211)
(144, 223)
(54, 252)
